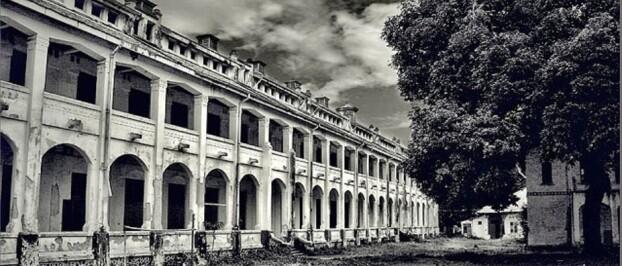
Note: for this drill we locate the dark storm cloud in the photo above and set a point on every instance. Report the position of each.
(332, 46)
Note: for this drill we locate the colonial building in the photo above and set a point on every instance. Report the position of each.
(555, 196)
(491, 224)
(111, 122)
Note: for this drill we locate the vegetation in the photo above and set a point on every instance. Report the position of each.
(493, 80)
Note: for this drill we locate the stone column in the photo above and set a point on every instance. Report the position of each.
(341, 199)
(197, 186)
(152, 215)
(287, 200)
(28, 183)
(264, 193)
(326, 196)
(28, 249)
(307, 198)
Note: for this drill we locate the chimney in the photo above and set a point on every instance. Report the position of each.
(208, 41)
(322, 101)
(258, 65)
(349, 111)
(293, 85)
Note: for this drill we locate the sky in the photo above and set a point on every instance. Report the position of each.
(332, 46)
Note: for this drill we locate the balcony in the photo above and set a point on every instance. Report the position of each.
(17, 99)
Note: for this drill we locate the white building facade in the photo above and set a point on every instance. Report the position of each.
(111, 122)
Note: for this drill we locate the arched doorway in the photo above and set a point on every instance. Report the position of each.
(127, 182)
(390, 209)
(334, 197)
(174, 196)
(361, 210)
(62, 189)
(248, 203)
(215, 199)
(6, 180)
(348, 209)
(316, 211)
(381, 214)
(278, 206)
(299, 193)
(370, 211)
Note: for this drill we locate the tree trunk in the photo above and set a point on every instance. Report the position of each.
(598, 184)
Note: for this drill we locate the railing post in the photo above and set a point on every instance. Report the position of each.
(28, 248)
(101, 247)
(155, 245)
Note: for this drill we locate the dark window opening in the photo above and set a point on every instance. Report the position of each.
(6, 162)
(139, 103)
(317, 150)
(334, 150)
(74, 207)
(372, 170)
(133, 213)
(87, 87)
(18, 68)
(347, 213)
(381, 170)
(347, 157)
(112, 17)
(217, 119)
(298, 141)
(276, 136)
(176, 206)
(211, 211)
(171, 45)
(249, 132)
(79, 4)
(149, 30)
(333, 214)
(318, 213)
(179, 114)
(547, 173)
(361, 164)
(136, 23)
(243, 199)
(96, 10)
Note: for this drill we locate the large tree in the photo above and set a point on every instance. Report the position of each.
(492, 80)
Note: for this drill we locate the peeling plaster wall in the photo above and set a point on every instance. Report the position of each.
(119, 172)
(55, 186)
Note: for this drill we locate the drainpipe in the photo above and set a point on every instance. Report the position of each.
(109, 98)
(310, 162)
(236, 213)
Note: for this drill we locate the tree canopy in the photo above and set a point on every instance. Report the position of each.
(492, 80)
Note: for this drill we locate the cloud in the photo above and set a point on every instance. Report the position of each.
(329, 47)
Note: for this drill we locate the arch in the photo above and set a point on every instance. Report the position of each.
(7, 161)
(278, 209)
(298, 201)
(361, 210)
(370, 211)
(333, 197)
(62, 189)
(215, 199)
(127, 184)
(347, 199)
(249, 203)
(381, 211)
(175, 188)
(390, 211)
(316, 211)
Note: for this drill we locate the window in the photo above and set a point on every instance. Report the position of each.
(361, 164)
(79, 4)
(18, 68)
(372, 170)
(74, 207)
(276, 136)
(347, 163)
(334, 150)
(249, 132)
(179, 114)
(139, 103)
(96, 10)
(211, 205)
(149, 30)
(193, 55)
(133, 213)
(217, 119)
(298, 139)
(86, 87)
(381, 170)
(112, 16)
(171, 44)
(547, 173)
(317, 150)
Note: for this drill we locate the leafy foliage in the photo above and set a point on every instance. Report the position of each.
(492, 80)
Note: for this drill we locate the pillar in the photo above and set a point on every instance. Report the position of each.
(341, 199)
(264, 191)
(152, 214)
(28, 185)
(197, 183)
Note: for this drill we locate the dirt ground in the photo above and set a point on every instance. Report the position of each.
(441, 251)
